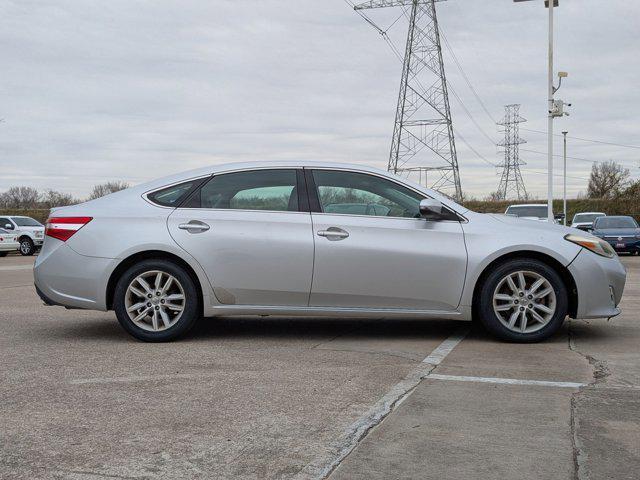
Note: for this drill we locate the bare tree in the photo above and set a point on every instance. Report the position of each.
(607, 180)
(494, 197)
(106, 188)
(20, 197)
(52, 198)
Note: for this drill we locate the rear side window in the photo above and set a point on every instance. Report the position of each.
(172, 196)
(272, 190)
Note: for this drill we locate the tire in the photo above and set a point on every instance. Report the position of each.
(508, 324)
(27, 248)
(3, 254)
(162, 321)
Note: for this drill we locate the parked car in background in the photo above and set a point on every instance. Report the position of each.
(284, 238)
(584, 220)
(8, 242)
(622, 233)
(30, 232)
(531, 212)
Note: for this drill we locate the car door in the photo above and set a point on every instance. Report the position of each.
(251, 232)
(384, 255)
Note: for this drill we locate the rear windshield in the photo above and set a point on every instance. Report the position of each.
(616, 222)
(539, 212)
(26, 222)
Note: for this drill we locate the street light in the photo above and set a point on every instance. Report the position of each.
(555, 108)
(564, 192)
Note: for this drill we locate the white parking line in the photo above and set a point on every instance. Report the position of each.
(322, 467)
(505, 381)
(16, 267)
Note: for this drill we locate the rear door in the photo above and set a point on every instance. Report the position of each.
(251, 232)
(373, 250)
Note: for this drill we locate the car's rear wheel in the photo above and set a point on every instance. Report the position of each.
(27, 247)
(156, 301)
(523, 301)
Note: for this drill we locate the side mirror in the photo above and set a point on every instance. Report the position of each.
(559, 216)
(430, 208)
(8, 226)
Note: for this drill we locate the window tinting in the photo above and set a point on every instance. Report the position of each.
(273, 190)
(615, 222)
(353, 193)
(172, 196)
(26, 222)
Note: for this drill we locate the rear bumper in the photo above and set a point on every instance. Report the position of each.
(600, 283)
(71, 280)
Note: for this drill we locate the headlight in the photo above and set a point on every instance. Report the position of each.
(596, 245)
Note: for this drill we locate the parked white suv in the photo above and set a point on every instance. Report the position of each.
(30, 232)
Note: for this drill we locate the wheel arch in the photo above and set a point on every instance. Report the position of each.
(124, 265)
(24, 236)
(563, 271)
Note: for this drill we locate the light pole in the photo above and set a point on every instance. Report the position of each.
(564, 192)
(555, 108)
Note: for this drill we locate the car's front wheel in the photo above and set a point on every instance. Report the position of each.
(27, 247)
(156, 301)
(523, 301)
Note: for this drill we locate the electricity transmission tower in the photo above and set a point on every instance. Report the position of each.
(511, 180)
(423, 140)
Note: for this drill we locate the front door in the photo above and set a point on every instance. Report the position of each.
(373, 250)
(248, 231)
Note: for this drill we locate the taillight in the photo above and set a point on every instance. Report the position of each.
(63, 228)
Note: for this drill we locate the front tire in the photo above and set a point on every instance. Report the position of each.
(523, 301)
(27, 248)
(156, 301)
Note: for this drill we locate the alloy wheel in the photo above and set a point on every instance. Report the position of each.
(155, 301)
(524, 301)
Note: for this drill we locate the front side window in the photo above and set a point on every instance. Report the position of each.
(4, 222)
(352, 193)
(273, 190)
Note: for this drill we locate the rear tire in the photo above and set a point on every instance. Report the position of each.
(156, 301)
(511, 304)
(27, 248)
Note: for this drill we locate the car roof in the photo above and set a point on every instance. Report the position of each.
(591, 213)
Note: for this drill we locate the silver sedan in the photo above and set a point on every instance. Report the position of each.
(317, 239)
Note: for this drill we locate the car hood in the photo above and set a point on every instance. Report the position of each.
(30, 229)
(612, 232)
(540, 223)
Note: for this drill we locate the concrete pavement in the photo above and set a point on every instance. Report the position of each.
(269, 398)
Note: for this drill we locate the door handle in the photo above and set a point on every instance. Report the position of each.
(333, 233)
(194, 226)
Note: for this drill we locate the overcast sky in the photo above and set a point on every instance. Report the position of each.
(131, 90)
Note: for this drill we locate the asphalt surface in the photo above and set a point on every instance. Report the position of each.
(312, 398)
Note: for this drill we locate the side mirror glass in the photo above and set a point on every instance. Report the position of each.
(8, 226)
(430, 208)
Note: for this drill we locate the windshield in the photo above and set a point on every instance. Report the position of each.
(26, 222)
(615, 222)
(539, 211)
(586, 217)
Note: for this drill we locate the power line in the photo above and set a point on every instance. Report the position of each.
(555, 174)
(586, 139)
(569, 157)
(480, 156)
(466, 77)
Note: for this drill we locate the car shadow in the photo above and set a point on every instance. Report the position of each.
(301, 328)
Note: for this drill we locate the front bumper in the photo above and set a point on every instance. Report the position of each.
(600, 283)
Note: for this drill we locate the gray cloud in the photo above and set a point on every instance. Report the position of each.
(132, 90)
